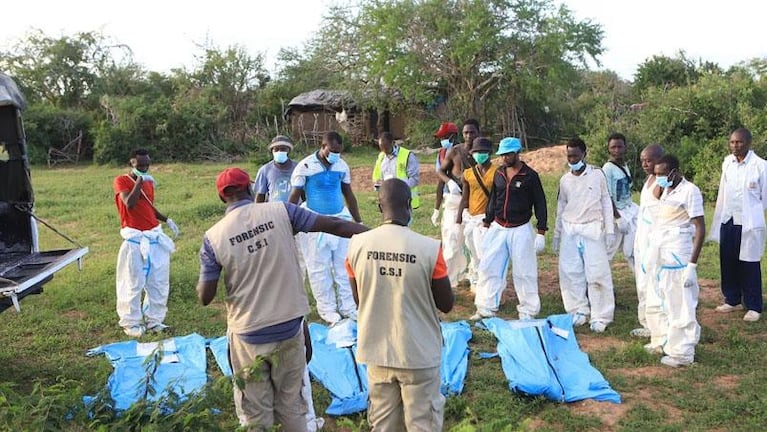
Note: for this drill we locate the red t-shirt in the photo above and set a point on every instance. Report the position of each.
(141, 216)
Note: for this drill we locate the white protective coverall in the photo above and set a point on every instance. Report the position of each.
(452, 239)
(473, 234)
(325, 256)
(670, 306)
(500, 244)
(625, 241)
(584, 216)
(647, 214)
(143, 264)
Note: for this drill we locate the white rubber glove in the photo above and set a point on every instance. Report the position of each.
(555, 245)
(609, 239)
(690, 275)
(172, 226)
(540, 243)
(453, 187)
(148, 178)
(622, 225)
(435, 217)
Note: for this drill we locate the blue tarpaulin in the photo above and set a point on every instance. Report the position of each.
(337, 370)
(220, 348)
(455, 356)
(334, 363)
(181, 369)
(542, 357)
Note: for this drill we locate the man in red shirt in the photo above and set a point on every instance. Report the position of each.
(143, 262)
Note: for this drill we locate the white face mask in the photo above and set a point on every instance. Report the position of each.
(280, 156)
(576, 166)
(333, 157)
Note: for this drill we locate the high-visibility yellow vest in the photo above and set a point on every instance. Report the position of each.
(401, 173)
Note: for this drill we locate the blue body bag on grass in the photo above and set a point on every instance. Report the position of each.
(334, 363)
(336, 368)
(455, 356)
(542, 357)
(181, 369)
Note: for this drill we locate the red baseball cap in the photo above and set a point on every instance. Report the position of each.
(232, 177)
(446, 129)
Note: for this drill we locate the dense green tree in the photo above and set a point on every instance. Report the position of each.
(662, 71)
(485, 56)
(63, 71)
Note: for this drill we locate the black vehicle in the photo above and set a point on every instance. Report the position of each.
(23, 267)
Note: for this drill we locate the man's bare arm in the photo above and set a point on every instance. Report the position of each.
(443, 294)
(355, 294)
(700, 234)
(351, 201)
(337, 226)
(130, 198)
(206, 291)
(295, 195)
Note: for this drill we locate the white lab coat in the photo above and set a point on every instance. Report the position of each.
(754, 203)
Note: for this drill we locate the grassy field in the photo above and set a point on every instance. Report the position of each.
(44, 371)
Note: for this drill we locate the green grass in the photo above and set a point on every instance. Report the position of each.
(44, 370)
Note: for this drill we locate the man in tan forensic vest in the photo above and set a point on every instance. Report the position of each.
(397, 162)
(265, 298)
(399, 280)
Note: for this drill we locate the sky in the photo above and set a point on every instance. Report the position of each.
(166, 34)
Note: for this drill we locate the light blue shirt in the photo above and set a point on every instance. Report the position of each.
(273, 181)
(618, 184)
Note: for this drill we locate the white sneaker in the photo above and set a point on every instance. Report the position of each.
(725, 308)
(641, 332)
(482, 314)
(752, 316)
(674, 362)
(653, 349)
(525, 317)
(598, 327)
(135, 331)
(331, 318)
(579, 319)
(159, 328)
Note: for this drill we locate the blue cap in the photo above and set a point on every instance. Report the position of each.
(509, 145)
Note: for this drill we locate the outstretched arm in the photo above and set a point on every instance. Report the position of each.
(337, 226)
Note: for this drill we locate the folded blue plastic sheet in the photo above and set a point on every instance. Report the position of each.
(455, 356)
(181, 369)
(220, 348)
(337, 370)
(542, 357)
(334, 365)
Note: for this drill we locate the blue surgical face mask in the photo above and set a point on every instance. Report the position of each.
(481, 158)
(138, 173)
(576, 166)
(663, 181)
(280, 156)
(333, 157)
(446, 144)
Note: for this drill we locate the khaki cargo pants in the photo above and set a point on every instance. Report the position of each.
(274, 394)
(405, 399)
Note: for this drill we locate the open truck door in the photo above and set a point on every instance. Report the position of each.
(23, 267)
